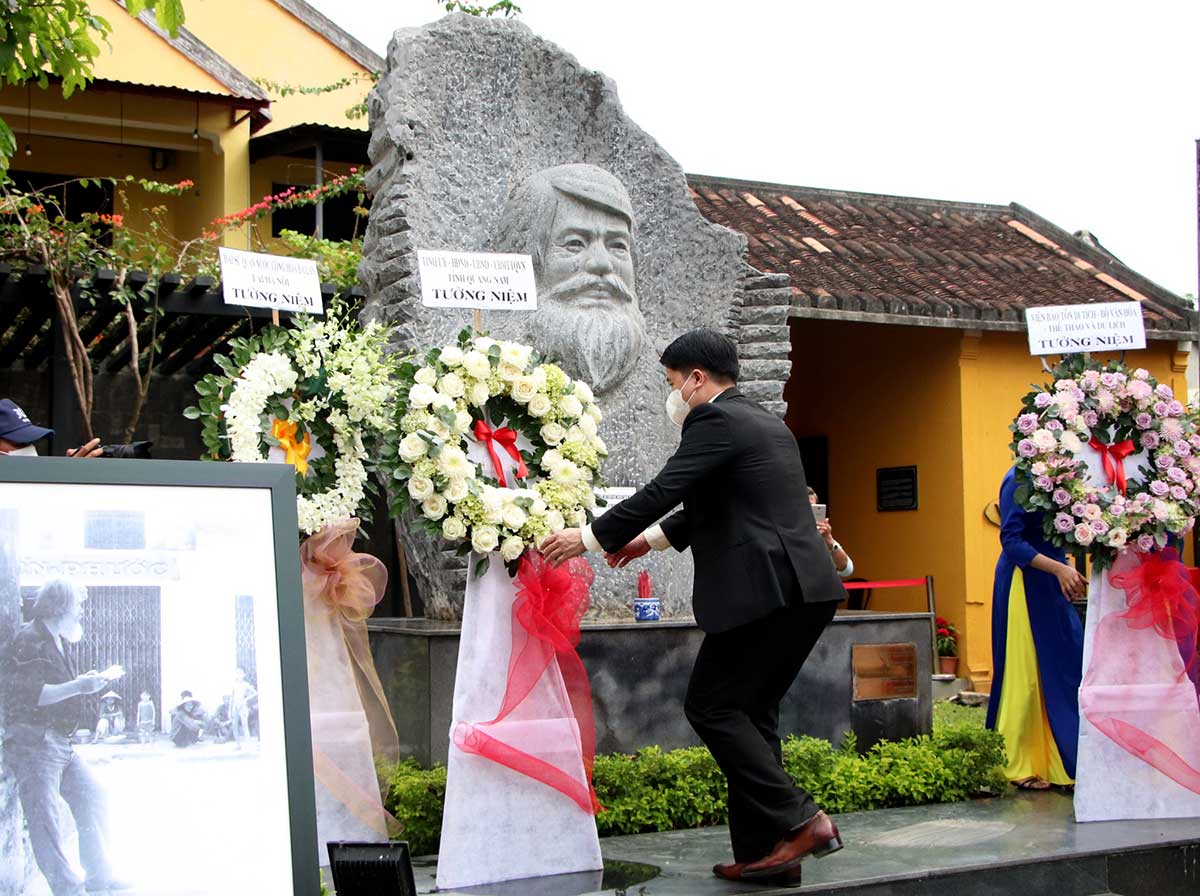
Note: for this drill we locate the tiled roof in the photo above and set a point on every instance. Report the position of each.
(896, 259)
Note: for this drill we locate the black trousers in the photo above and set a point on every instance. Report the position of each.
(732, 702)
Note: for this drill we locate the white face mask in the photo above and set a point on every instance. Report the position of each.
(677, 406)
(23, 451)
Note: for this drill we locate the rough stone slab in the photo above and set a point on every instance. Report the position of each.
(773, 351)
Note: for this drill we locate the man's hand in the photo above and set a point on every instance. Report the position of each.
(91, 682)
(91, 449)
(639, 547)
(1074, 586)
(562, 546)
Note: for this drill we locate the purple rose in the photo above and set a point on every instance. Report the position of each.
(1063, 523)
(1143, 421)
(1043, 483)
(1077, 509)
(1164, 391)
(1145, 543)
(1042, 401)
(1117, 510)
(1149, 440)
(1159, 488)
(1195, 441)
(1176, 474)
(1061, 497)
(1175, 408)
(1160, 408)
(1178, 492)
(1164, 461)
(1107, 380)
(1182, 448)
(1099, 527)
(1027, 423)
(1026, 448)
(1090, 418)
(1054, 426)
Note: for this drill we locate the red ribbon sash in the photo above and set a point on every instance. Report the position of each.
(1114, 456)
(507, 439)
(546, 613)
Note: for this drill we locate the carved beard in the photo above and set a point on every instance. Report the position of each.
(599, 344)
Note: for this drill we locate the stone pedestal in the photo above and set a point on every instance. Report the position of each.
(639, 674)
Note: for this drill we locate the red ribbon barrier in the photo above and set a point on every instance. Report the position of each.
(546, 614)
(507, 438)
(886, 583)
(1114, 456)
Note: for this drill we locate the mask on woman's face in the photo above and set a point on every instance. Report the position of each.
(677, 406)
(23, 451)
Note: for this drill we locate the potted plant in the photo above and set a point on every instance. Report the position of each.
(947, 647)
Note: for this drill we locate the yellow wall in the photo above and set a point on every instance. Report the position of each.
(888, 396)
(885, 397)
(262, 40)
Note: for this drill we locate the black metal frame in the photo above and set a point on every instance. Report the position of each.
(280, 479)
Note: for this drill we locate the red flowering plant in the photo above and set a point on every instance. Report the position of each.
(947, 638)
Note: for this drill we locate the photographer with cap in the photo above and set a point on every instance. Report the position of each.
(43, 700)
(18, 435)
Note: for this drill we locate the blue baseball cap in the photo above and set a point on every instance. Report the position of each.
(15, 426)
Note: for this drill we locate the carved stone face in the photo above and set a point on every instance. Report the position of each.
(588, 314)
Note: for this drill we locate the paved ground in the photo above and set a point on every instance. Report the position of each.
(1019, 837)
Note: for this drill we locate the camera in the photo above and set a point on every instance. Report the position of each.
(135, 450)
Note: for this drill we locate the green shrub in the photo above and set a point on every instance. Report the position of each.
(654, 790)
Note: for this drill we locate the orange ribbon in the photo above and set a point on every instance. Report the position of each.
(295, 453)
(508, 441)
(1114, 457)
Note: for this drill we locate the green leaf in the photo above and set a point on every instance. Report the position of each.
(192, 413)
(482, 565)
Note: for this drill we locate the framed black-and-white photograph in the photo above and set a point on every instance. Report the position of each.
(153, 691)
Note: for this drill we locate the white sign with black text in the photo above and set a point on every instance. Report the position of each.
(258, 280)
(610, 497)
(488, 281)
(1073, 329)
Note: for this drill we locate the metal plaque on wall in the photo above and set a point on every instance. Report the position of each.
(896, 488)
(884, 671)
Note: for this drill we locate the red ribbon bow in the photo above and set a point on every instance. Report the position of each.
(508, 441)
(1113, 457)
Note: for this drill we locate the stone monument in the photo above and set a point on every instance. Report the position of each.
(486, 137)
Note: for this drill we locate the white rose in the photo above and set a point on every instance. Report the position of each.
(513, 517)
(555, 521)
(600, 446)
(452, 356)
(434, 507)
(453, 528)
(571, 406)
(512, 548)
(523, 389)
(484, 343)
(576, 434)
(457, 490)
(422, 395)
(538, 375)
(426, 376)
(579, 518)
(515, 354)
(1044, 440)
(462, 422)
(420, 487)
(480, 394)
(493, 505)
(539, 405)
(593, 411)
(412, 448)
(440, 429)
(584, 392)
(552, 459)
(588, 425)
(553, 433)
(508, 372)
(477, 365)
(452, 386)
(485, 539)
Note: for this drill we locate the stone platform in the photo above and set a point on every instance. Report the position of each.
(639, 674)
(1027, 843)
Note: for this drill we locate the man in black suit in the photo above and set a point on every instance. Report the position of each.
(765, 588)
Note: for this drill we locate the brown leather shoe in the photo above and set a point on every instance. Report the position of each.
(729, 870)
(816, 837)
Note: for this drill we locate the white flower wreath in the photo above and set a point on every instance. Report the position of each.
(457, 394)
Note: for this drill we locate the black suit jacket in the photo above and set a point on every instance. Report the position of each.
(746, 515)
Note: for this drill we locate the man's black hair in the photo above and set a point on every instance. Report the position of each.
(705, 349)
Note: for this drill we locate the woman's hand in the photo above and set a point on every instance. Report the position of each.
(1073, 585)
(826, 531)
